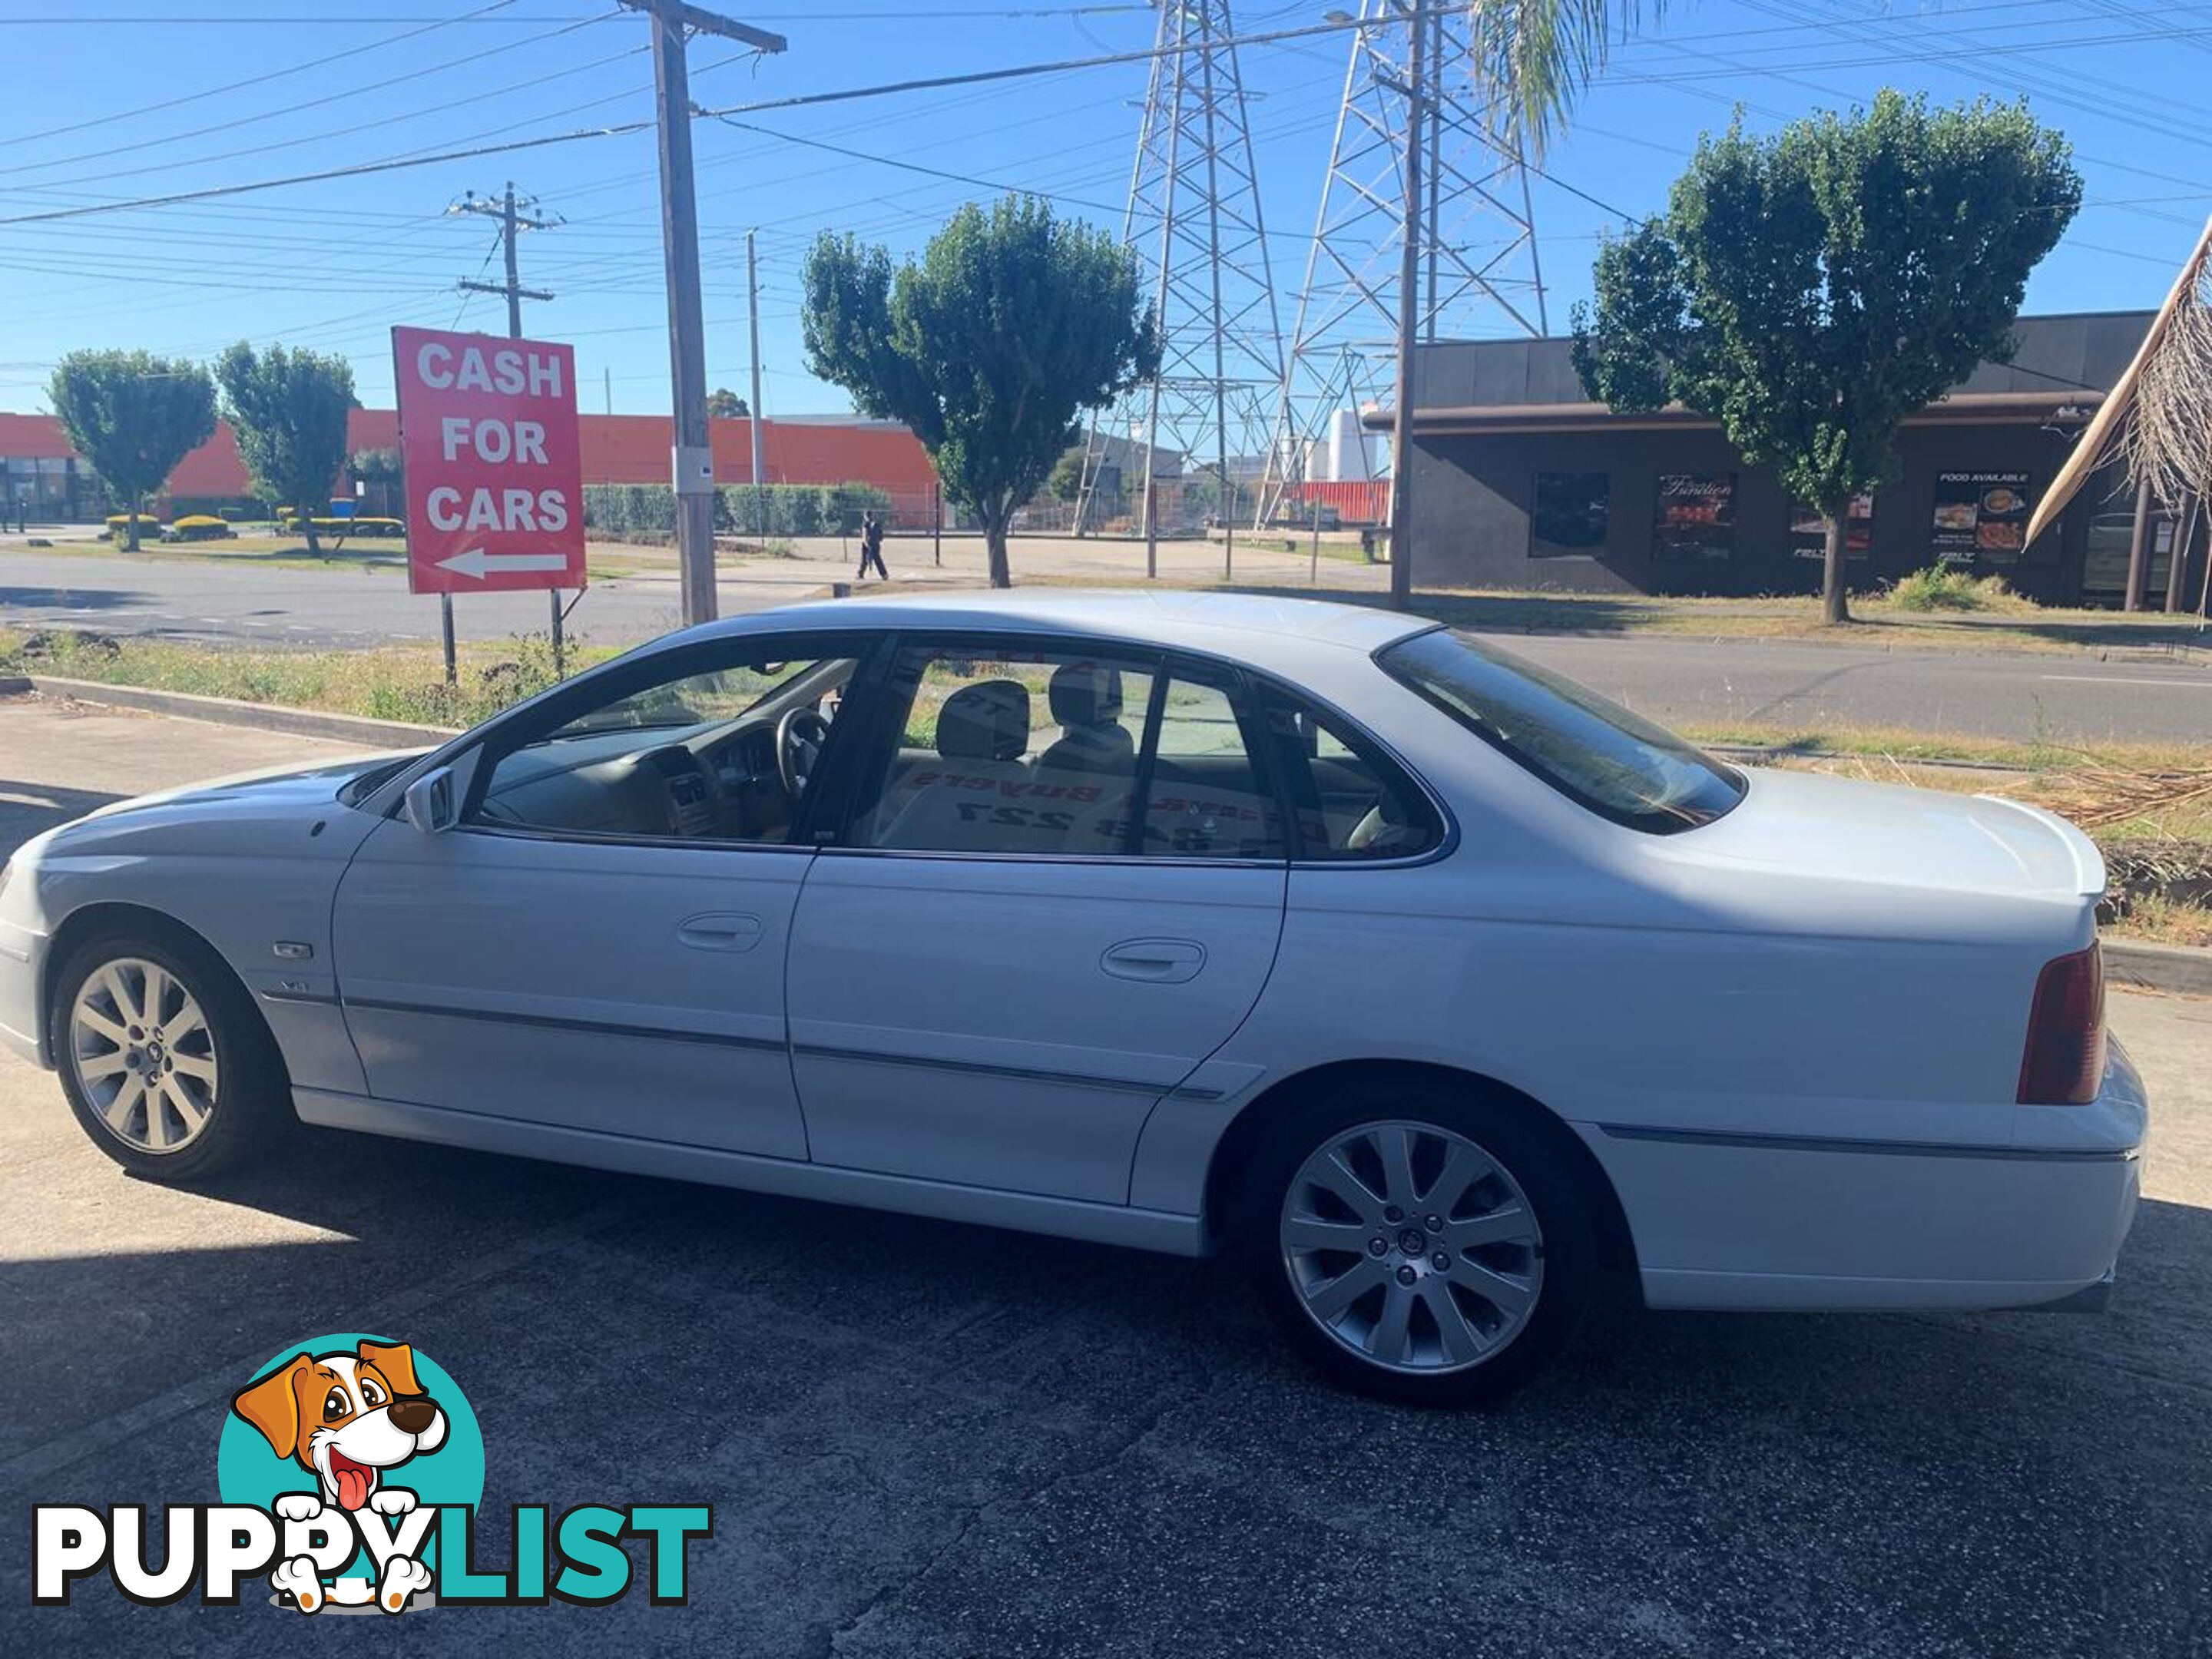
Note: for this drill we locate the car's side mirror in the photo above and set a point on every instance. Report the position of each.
(429, 802)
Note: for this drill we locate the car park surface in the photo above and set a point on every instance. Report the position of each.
(922, 1437)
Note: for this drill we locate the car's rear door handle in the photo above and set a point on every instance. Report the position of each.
(720, 931)
(1158, 961)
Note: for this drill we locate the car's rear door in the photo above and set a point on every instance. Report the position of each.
(1059, 889)
(599, 944)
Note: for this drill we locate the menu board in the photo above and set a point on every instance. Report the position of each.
(1809, 531)
(1696, 516)
(1980, 514)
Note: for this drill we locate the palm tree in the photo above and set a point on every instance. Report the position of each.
(1537, 56)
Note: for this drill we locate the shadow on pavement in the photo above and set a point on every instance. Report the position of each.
(28, 809)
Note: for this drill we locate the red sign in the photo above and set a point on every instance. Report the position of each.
(495, 468)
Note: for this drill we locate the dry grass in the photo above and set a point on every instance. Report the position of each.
(396, 683)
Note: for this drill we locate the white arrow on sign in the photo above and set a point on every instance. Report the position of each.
(479, 564)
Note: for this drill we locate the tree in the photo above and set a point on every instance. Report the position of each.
(1066, 482)
(288, 410)
(725, 405)
(134, 417)
(382, 469)
(1811, 290)
(1536, 55)
(1010, 325)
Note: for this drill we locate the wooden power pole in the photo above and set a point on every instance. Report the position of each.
(674, 21)
(512, 218)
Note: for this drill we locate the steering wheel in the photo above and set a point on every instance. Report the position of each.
(799, 736)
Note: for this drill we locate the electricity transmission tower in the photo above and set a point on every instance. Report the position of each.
(1475, 269)
(1195, 223)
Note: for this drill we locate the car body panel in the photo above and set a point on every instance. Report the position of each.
(629, 989)
(958, 1018)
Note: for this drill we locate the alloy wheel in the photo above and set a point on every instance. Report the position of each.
(1412, 1246)
(143, 1054)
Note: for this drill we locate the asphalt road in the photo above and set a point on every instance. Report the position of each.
(2021, 696)
(926, 1439)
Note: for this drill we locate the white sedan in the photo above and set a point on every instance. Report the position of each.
(1431, 983)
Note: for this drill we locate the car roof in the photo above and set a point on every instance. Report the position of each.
(1229, 624)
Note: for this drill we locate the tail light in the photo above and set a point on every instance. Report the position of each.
(2064, 1062)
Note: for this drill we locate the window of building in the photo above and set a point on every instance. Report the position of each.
(1568, 518)
(1694, 517)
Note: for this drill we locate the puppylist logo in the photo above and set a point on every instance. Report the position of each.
(352, 1468)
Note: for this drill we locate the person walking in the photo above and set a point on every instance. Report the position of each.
(872, 547)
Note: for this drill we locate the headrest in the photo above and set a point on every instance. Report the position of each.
(1084, 694)
(989, 720)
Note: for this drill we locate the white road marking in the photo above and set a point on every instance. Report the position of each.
(2117, 679)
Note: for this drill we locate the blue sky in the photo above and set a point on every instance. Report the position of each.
(128, 107)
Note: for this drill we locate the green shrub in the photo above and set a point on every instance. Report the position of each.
(614, 511)
(1948, 588)
(199, 527)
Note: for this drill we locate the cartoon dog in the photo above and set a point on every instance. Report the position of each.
(346, 1419)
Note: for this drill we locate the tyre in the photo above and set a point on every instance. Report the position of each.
(165, 1061)
(1420, 1243)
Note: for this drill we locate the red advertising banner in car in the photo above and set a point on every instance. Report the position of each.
(495, 467)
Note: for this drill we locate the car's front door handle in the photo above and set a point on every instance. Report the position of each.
(720, 931)
(1156, 961)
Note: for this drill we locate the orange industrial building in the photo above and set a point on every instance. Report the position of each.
(46, 480)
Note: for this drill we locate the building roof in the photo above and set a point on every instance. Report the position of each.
(1530, 385)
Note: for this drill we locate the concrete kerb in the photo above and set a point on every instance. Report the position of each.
(228, 711)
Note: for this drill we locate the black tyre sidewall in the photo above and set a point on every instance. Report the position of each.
(1555, 1189)
(251, 1096)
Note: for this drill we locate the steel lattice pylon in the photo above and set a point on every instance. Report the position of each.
(1480, 271)
(1195, 225)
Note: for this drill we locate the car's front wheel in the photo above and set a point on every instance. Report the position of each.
(164, 1060)
(1418, 1244)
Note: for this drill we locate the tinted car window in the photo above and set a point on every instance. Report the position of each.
(1352, 802)
(1589, 748)
(1066, 753)
(1012, 751)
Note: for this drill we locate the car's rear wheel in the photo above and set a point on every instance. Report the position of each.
(166, 1064)
(1418, 1244)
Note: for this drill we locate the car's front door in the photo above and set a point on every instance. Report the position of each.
(1058, 890)
(598, 943)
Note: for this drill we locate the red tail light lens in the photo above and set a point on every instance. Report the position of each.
(2064, 1062)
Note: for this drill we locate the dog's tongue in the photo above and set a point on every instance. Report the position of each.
(354, 1482)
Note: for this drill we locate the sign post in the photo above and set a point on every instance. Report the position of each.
(488, 436)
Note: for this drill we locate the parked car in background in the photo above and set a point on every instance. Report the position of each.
(1427, 982)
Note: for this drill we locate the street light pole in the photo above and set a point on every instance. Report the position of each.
(673, 22)
(1409, 308)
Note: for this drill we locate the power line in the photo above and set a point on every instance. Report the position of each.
(361, 169)
(201, 94)
(311, 105)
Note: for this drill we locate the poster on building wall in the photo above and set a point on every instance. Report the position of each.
(1696, 516)
(1980, 515)
(1809, 531)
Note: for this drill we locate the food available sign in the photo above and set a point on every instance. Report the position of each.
(495, 468)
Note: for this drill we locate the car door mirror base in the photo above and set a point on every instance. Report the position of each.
(431, 803)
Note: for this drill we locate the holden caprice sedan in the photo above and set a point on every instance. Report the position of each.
(1429, 983)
